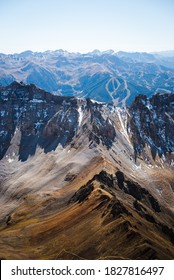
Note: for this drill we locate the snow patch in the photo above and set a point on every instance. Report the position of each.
(149, 106)
(98, 102)
(3, 133)
(45, 114)
(10, 160)
(37, 101)
(110, 122)
(80, 115)
(2, 113)
(123, 123)
(38, 125)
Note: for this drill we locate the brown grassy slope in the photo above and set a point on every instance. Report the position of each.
(99, 223)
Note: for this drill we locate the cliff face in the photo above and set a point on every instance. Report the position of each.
(42, 119)
(151, 123)
(75, 169)
(46, 120)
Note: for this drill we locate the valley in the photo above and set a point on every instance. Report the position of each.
(106, 76)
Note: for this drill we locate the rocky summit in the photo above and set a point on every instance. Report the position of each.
(81, 179)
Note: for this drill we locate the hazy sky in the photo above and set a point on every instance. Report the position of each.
(85, 25)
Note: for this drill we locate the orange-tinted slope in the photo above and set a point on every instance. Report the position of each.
(109, 217)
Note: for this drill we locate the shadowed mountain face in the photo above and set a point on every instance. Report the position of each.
(102, 76)
(85, 180)
(152, 124)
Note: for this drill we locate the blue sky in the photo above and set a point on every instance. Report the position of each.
(85, 25)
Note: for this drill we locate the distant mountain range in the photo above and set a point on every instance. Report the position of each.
(103, 76)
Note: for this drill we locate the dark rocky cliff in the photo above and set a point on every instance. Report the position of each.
(151, 123)
(47, 120)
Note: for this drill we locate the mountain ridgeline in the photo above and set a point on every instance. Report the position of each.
(47, 120)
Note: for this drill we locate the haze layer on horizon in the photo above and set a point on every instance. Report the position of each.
(82, 26)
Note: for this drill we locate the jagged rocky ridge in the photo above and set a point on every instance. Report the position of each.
(75, 169)
(47, 120)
